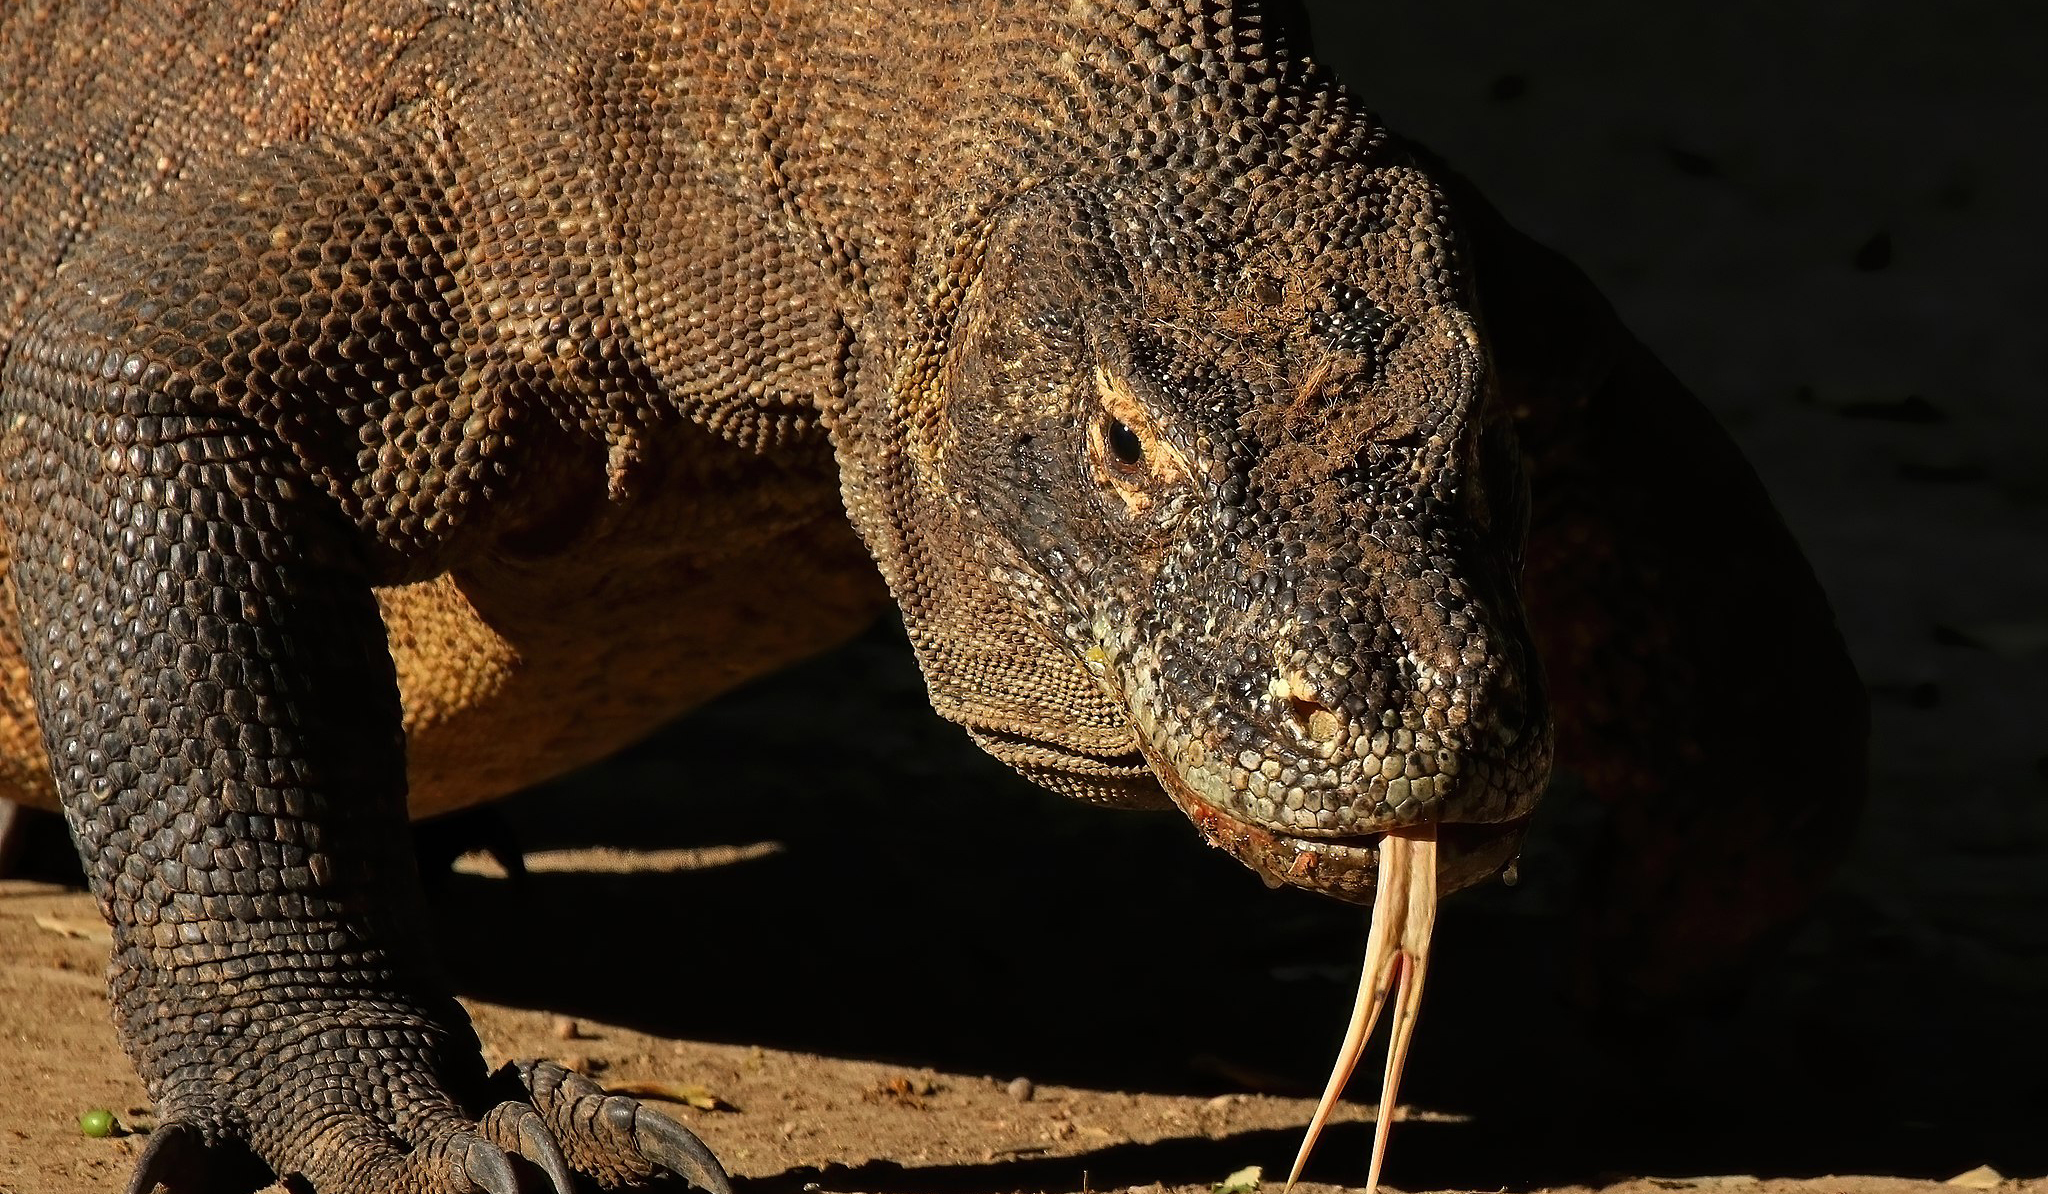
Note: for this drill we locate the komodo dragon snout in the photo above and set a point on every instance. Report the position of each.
(1250, 481)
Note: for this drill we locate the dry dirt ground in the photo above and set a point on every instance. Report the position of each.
(818, 904)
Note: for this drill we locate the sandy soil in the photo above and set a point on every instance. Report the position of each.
(819, 904)
(1044, 1027)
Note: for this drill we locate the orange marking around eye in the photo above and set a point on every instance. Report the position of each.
(1163, 466)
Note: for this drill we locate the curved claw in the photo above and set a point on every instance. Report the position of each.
(538, 1145)
(487, 1165)
(677, 1149)
(180, 1159)
(592, 1125)
(174, 1159)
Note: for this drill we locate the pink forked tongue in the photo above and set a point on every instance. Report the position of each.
(1396, 957)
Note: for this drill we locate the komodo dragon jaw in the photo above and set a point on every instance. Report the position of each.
(1216, 502)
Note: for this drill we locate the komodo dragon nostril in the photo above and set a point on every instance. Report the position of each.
(1305, 712)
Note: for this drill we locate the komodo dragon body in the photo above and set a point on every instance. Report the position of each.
(404, 403)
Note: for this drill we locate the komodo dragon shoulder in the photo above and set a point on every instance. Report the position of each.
(401, 403)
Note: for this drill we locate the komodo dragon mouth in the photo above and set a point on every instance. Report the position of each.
(1349, 867)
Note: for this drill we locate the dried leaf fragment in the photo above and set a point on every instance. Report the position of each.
(687, 1093)
(90, 931)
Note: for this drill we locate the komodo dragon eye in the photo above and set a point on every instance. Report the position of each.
(1124, 443)
(1131, 456)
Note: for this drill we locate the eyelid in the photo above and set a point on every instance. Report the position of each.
(1161, 460)
(1124, 406)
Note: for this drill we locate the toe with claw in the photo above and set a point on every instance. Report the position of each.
(613, 1138)
(557, 1125)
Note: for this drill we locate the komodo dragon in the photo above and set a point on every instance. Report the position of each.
(405, 402)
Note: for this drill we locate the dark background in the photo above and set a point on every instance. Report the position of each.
(1823, 217)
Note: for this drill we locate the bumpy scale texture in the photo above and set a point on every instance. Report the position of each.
(403, 403)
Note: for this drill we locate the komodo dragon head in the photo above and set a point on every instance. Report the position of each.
(1205, 493)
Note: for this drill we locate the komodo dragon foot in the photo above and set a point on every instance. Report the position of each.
(556, 1121)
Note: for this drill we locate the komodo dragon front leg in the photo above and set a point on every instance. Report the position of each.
(222, 426)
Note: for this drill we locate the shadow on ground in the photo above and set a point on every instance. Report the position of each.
(926, 908)
(1431, 1156)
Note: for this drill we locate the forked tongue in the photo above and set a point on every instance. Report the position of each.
(1396, 957)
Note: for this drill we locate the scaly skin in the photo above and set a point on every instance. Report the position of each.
(403, 404)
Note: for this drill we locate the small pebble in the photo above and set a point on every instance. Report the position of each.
(566, 1029)
(1021, 1089)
